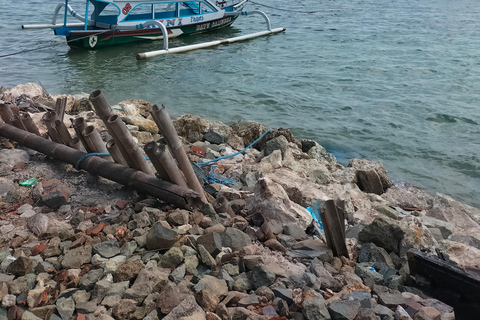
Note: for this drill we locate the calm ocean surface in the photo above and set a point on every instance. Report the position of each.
(395, 81)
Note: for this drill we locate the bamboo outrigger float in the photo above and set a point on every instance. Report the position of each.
(109, 22)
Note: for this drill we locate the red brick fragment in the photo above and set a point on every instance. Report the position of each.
(95, 230)
(198, 150)
(80, 316)
(121, 204)
(79, 242)
(39, 248)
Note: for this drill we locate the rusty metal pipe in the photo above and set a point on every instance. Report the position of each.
(115, 153)
(29, 124)
(173, 194)
(75, 143)
(101, 105)
(95, 142)
(170, 134)
(17, 122)
(221, 205)
(15, 109)
(79, 125)
(104, 111)
(62, 131)
(150, 151)
(165, 158)
(49, 118)
(6, 112)
(133, 152)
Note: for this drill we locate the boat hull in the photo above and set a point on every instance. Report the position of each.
(93, 39)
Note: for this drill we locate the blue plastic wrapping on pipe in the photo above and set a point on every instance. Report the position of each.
(315, 213)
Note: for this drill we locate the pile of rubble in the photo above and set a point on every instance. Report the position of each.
(76, 246)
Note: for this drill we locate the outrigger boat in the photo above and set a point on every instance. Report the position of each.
(109, 22)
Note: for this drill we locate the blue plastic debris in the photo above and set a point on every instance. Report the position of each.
(315, 213)
(215, 177)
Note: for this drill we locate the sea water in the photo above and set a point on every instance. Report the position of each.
(394, 81)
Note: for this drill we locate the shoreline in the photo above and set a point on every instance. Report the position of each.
(274, 182)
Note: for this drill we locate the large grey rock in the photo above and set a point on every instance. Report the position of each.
(272, 202)
(107, 249)
(212, 242)
(212, 284)
(206, 257)
(22, 284)
(150, 279)
(65, 307)
(315, 309)
(90, 278)
(235, 239)
(369, 252)
(294, 230)
(179, 217)
(75, 258)
(382, 233)
(172, 258)
(261, 277)
(304, 279)
(277, 143)
(161, 238)
(171, 297)
(188, 308)
(327, 281)
(20, 267)
(344, 310)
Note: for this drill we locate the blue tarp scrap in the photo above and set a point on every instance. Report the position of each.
(315, 213)
(215, 177)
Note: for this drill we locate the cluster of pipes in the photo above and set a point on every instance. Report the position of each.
(122, 149)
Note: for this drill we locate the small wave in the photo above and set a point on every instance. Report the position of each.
(442, 118)
(445, 118)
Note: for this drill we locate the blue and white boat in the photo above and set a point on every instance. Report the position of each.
(109, 22)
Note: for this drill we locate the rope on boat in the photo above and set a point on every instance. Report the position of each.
(51, 45)
(275, 8)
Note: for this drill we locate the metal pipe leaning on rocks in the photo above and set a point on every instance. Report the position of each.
(15, 121)
(6, 112)
(166, 160)
(149, 149)
(62, 131)
(120, 134)
(95, 142)
(79, 125)
(115, 153)
(101, 105)
(75, 143)
(164, 122)
(49, 118)
(28, 123)
(120, 130)
(179, 196)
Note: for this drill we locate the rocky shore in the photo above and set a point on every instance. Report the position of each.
(77, 246)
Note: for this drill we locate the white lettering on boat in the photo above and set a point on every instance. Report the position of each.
(203, 26)
(221, 21)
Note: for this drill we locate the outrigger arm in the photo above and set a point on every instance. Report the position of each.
(68, 9)
(166, 50)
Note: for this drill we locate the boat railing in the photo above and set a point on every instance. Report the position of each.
(246, 13)
(70, 10)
